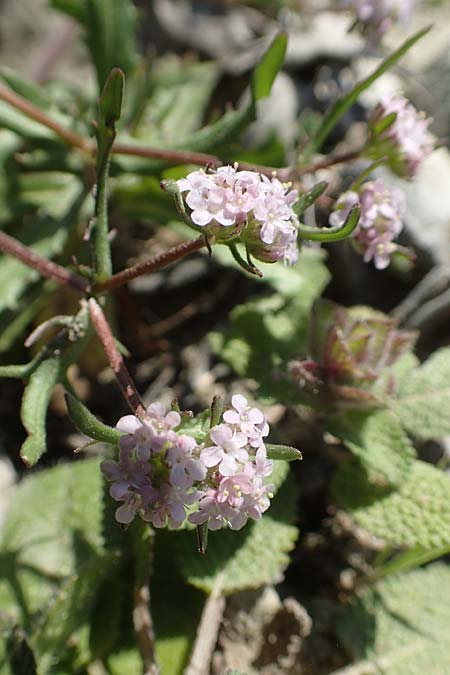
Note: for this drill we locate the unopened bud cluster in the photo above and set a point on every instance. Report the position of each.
(248, 205)
(163, 474)
(406, 141)
(380, 222)
(376, 17)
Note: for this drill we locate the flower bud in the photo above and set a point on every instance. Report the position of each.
(375, 17)
(351, 351)
(400, 133)
(380, 222)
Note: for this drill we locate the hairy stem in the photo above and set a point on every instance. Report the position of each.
(45, 267)
(143, 627)
(143, 544)
(207, 632)
(116, 361)
(152, 264)
(170, 156)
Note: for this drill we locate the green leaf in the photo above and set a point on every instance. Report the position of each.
(110, 104)
(400, 626)
(422, 401)
(266, 332)
(379, 443)
(45, 235)
(329, 234)
(25, 88)
(88, 424)
(110, 36)
(73, 8)
(180, 94)
(308, 198)
(50, 513)
(282, 452)
(255, 555)
(175, 629)
(341, 107)
(270, 65)
(126, 661)
(197, 427)
(35, 402)
(417, 514)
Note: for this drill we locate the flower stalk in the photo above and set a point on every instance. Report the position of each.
(115, 359)
(45, 267)
(152, 264)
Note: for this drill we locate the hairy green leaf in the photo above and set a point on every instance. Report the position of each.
(52, 554)
(417, 514)
(400, 627)
(266, 332)
(379, 442)
(422, 402)
(35, 402)
(255, 555)
(282, 452)
(88, 424)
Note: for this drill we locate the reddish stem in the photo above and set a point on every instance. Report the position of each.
(332, 160)
(45, 267)
(116, 361)
(35, 113)
(171, 156)
(151, 265)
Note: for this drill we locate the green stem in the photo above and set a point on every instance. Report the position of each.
(101, 226)
(411, 558)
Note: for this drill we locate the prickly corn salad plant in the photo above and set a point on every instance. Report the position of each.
(165, 323)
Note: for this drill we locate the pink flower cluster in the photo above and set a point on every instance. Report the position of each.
(250, 205)
(407, 141)
(377, 16)
(162, 473)
(380, 222)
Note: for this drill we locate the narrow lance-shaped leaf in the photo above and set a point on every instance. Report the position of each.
(331, 234)
(341, 107)
(35, 402)
(88, 424)
(268, 68)
(110, 35)
(306, 200)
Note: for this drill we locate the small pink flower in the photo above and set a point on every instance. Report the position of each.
(227, 451)
(250, 202)
(250, 421)
(380, 221)
(407, 141)
(377, 16)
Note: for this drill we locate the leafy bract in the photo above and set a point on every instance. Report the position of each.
(379, 443)
(400, 626)
(422, 402)
(417, 514)
(35, 402)
(88, 424)
(249, 558)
